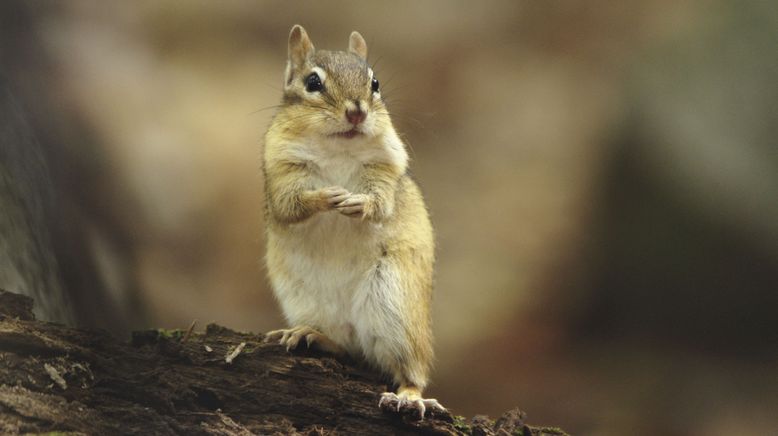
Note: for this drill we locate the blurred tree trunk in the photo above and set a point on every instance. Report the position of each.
(59, 242)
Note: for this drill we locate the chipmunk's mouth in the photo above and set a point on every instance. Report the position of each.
(348, 134)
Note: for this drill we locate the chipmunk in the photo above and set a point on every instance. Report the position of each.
(350, 248)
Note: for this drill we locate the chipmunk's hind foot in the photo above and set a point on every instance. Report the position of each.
(409, 400)
(290, 338)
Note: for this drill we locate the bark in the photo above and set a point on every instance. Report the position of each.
(55, 378)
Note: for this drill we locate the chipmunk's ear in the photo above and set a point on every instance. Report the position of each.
(300, 46)
(357, 45)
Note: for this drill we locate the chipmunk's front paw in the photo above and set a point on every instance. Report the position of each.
(290, 338)
(405, 401)
(333, 195)
(323, 199)
(355, 205)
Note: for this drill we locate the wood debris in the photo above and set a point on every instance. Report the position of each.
(231, 356)
(54, 374)
(189, 332)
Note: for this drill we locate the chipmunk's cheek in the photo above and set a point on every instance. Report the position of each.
(370, 126)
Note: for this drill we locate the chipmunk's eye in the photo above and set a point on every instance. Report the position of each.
(374, 85)
(313, 83)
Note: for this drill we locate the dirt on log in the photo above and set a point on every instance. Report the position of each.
(55, 378)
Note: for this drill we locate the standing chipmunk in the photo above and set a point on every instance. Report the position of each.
(350, 249)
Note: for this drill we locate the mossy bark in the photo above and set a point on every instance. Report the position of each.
(55, 378)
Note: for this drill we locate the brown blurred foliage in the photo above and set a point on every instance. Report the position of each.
(602, 177)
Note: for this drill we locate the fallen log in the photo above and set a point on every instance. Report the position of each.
(55, 378)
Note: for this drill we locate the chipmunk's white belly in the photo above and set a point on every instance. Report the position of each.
(325, 261)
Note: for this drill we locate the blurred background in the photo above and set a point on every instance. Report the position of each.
(602, 176)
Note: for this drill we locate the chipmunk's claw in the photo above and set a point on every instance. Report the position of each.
(396, 403)
(290, 338)
(353, 206)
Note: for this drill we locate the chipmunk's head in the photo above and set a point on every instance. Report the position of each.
(331, 93)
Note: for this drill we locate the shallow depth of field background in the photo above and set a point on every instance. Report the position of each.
(602, 176)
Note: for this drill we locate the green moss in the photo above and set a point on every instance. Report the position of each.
(548, 431)
(175, 334)
(57, 433)
(460, 423)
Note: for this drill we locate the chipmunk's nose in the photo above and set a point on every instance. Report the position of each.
(355, 115)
